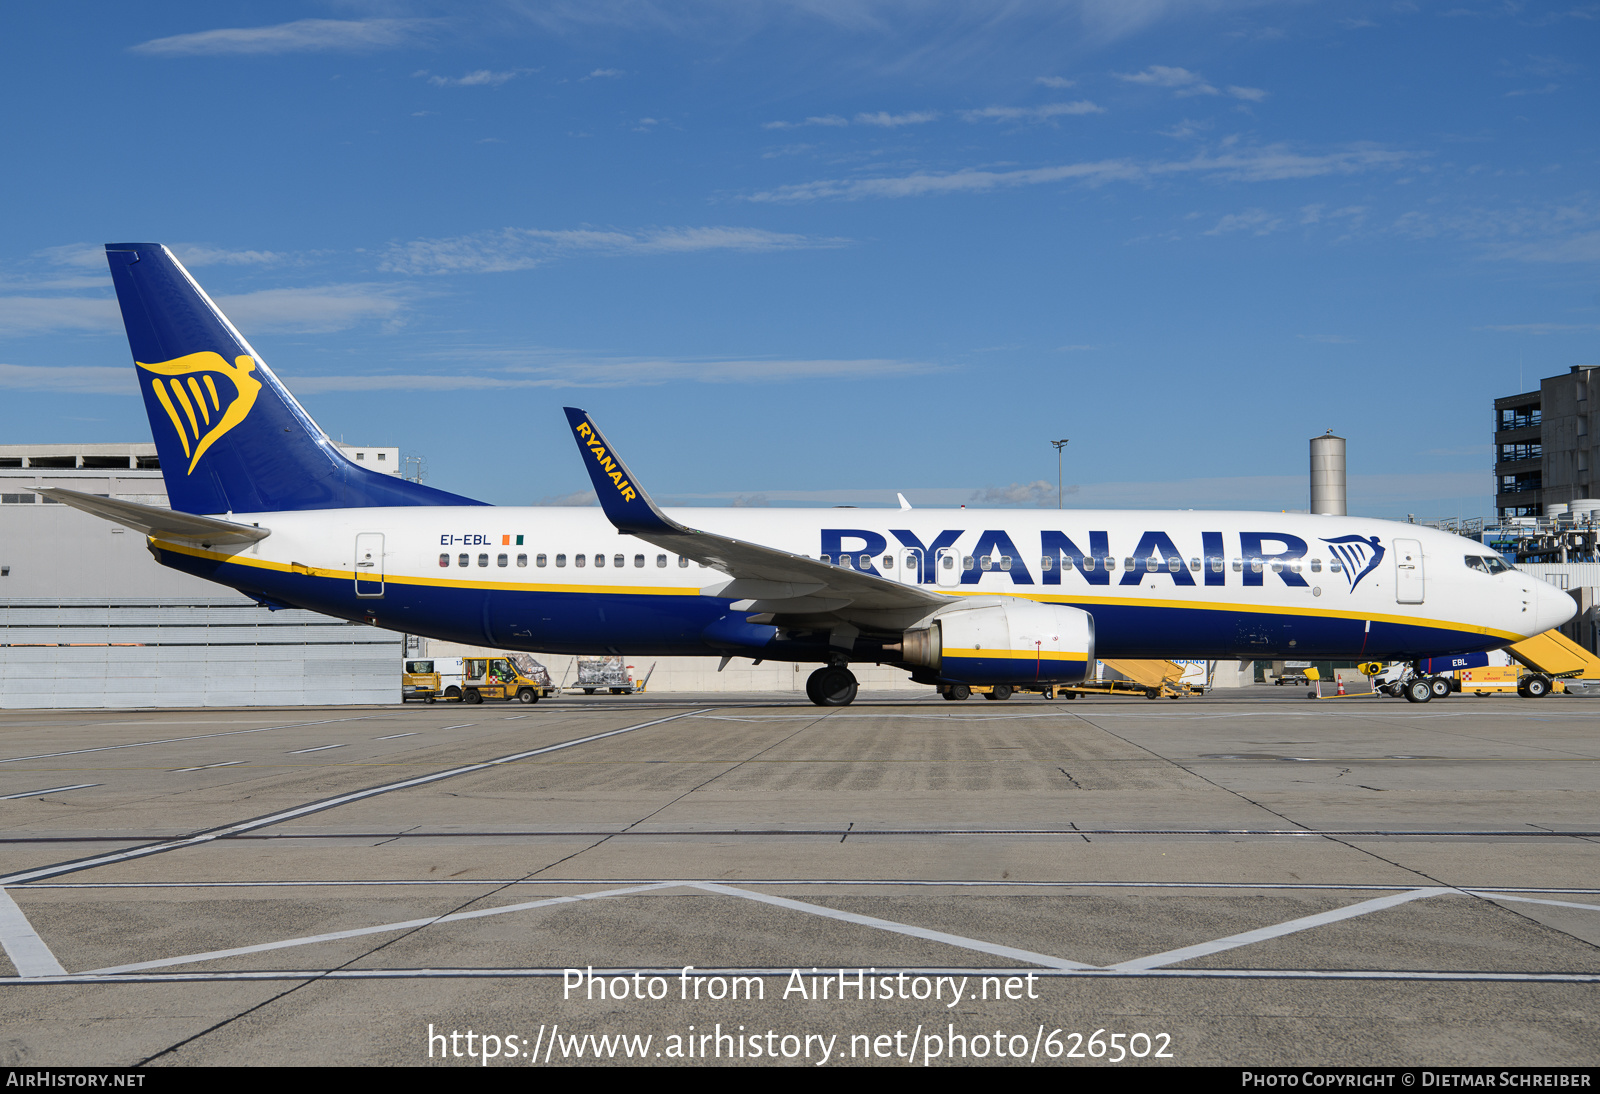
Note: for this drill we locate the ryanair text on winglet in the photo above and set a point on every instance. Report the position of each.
(624, 487)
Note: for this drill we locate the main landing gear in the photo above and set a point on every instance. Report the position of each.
(831, 686)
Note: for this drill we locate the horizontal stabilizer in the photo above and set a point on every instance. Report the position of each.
(161, 523)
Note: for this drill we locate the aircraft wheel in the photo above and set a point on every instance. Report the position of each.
(1418, 691)
(832, 686)
(471, 696)
(1538, 687)
(1440, 687)
(959, 692)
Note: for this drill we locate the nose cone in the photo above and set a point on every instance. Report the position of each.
(1550, 607)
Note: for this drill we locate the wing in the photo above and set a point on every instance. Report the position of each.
(160, 523)
(766, 581)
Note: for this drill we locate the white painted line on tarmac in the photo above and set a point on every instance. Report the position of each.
(52, 790)
(22, 943)
(316, 806)
(463, 725)
(394, 736)
(1204, 949)
(897, 928)
(382, 928)
(319, 748)
(208, 767)
(1488, 895)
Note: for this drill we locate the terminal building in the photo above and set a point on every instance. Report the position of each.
(89, 619)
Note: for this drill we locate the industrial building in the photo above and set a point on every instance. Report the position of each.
(88, 619)
(1544, 451)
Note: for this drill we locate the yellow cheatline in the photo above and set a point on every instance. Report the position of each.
(203, 365)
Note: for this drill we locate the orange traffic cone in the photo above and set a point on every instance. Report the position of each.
(1341, 682)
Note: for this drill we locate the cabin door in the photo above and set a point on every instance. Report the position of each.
(1407, 571)
(369, 564)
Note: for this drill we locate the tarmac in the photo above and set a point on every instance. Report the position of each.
(1245, 879)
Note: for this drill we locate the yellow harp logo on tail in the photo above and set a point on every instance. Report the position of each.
(186, 388)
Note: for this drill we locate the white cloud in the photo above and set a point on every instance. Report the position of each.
(1032, 113)
(826, 120)
(1274, 162)
(889, 121)
(1055, 81)
(314, 310)
(1183, 82)
(301, 36)
(24, 315)
(483, 77)
(604, 73)
(1162, 76)
(630, 372)
(1255, 221)
(91, 380)
(524, 248)
(1545, 90)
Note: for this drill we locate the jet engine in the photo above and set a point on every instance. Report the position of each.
(1003, 640)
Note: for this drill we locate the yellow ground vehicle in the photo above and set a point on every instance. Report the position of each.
(1152, 679)
(420, 680)
(498, 678)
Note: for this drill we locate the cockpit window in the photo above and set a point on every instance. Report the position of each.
(1476, 563)
(1492, 564)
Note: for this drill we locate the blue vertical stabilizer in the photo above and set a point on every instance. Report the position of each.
(230, 436)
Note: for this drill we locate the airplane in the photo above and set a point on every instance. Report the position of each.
(263, 502)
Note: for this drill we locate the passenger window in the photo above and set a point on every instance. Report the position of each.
(444, 560)
(1335, 566)
(502, 560)
(985, 562)
(621, 560)
(1045, 563)
(661, 560)
(683, 562)
(1005, 562)
(578, 560)
(599, 561)
(827, 560)
(966, 562)
(1238, 565)
(561, 560)
(538, 560)
(1110, 563)
(463, 560)
(1194, 565)
(1174, 564)
(522, 560)
(888, 562)
(1277, 566)
(948, 562)
(1130, 564)
(638, 561)
(864, 562)
(483, 560)
(1316, 565)
(1216, 565)
(1255, 565)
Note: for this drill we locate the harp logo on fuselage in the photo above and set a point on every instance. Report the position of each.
(201, 411)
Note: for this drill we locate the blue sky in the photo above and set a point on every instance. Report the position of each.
(821, 251)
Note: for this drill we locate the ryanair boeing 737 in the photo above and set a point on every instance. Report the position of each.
(263, 502)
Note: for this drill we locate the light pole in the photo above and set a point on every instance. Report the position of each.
(1059, 446)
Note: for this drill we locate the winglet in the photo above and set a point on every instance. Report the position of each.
(623, 499)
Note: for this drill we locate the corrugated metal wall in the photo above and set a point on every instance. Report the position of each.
(190, 652)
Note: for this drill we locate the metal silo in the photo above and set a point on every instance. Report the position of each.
(1327, 474)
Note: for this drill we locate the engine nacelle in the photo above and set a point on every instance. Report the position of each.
(1004, 640)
